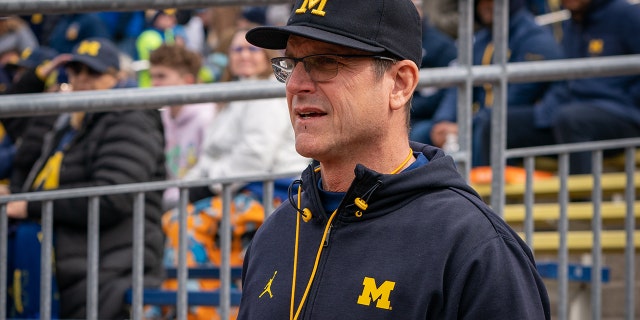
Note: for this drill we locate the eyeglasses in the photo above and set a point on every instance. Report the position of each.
(320, 67)
(239, 49)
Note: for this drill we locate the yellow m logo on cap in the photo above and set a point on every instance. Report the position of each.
(310, 4)
(371, 292)
(90, 48)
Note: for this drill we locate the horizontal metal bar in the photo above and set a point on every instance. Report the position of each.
(134, 98)
(135, 187)
(523, 72)
(148, 98)
(22, 7)
(573, 147)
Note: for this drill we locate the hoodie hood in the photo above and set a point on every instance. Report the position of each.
(386, 193)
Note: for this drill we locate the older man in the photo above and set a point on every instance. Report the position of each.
(378, 227)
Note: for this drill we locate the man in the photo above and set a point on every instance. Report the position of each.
(599, 108)
(379, 227)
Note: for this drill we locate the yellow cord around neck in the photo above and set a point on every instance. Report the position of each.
(319, 252)
(404, 163)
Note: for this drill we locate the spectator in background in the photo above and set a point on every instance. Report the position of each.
(41, 25)
(31, 74)
(251, 137)
(527, 42)
(195, 31)
(124, 28)
(184, 125)
(30, 59)
(438, 50)
(599, 108)
(444, 16)
(278, 14)
(539, 7)
(88, 149)
(15, 37)
(7, 152)
(164, 28)
(252, 15)
(71, 29)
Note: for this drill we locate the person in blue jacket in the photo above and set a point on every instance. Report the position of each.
(599, 108)
(438, 50)
(71, 29)
(377, 227)
(527, 42)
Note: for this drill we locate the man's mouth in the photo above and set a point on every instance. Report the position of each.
(308, 115)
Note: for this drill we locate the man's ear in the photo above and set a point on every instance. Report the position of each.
(405, 83)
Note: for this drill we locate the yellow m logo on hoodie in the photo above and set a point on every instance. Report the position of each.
(371, 292)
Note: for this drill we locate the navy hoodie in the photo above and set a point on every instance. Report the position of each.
(424, 247)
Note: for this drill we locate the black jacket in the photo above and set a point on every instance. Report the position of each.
(111, 148)
(34, 127)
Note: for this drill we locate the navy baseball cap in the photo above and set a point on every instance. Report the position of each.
(31, 58)
(99, 54)
(385, 27)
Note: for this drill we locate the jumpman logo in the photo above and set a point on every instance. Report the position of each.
(267, 288)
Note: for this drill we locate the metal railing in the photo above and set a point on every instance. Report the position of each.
(464, 75)
(563, 152)
(138, 189)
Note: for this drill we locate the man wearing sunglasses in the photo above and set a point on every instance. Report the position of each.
(377, 227)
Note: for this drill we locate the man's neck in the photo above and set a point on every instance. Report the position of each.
(338, 175)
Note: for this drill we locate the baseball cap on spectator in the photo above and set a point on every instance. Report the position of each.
(166, 12)
(99, 54)
(385, 27)
(31, 58)
(255, 14)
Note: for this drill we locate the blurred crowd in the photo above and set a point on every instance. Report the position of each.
(538, 113)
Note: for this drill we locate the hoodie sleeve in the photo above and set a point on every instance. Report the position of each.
(499, 278)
